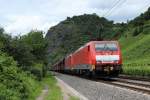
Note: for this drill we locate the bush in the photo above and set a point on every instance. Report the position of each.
(9, 79)
(7, 94)
(14, 84)
(37, 70)
(137, 30)
(27, 50)
(146, 30)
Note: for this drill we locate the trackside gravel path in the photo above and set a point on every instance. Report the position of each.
(100, 91)
(43, 94)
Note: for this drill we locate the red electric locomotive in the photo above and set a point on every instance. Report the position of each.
(96, 57)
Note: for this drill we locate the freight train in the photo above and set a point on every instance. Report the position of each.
(101, 58)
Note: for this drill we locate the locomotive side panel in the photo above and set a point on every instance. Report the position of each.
(82, 59)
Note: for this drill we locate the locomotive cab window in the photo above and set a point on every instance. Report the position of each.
(106, 47)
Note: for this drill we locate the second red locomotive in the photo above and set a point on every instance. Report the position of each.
(95, 57)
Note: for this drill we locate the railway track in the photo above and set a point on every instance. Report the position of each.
(134, 77)
(136, 85)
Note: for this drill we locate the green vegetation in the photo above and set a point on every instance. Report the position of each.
(135, 46)
(54, 91)
(14, 83)
(74, 98)
(137, 70)
(22, 65)
(29, 51)
(136, 49)
(136, 55)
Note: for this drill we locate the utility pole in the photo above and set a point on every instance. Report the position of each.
(100, 31)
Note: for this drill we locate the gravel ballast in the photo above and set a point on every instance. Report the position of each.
(99, 91)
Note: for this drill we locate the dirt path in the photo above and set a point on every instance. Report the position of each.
(44, 93)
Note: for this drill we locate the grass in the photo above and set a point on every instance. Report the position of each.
(54, 90)
(73, 98)
(136, 51)
(135, 48)
(36, 88)
(137, 70)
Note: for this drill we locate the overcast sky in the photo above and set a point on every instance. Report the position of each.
(21, 16)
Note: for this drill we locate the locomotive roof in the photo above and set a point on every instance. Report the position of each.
(101, 41)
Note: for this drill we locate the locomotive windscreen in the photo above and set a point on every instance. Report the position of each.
(106, 47)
